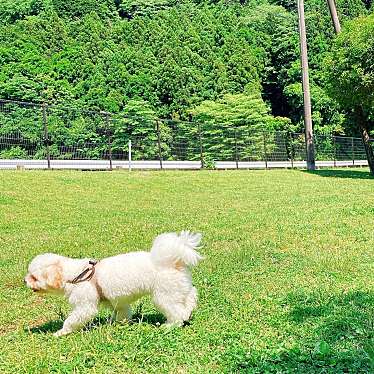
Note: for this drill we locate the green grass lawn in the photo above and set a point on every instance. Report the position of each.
(287, 283)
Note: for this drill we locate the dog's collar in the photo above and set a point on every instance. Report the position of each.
(86, 274)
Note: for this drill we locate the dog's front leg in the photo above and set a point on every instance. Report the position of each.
(80, 315)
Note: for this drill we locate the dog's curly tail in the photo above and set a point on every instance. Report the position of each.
(178, 251)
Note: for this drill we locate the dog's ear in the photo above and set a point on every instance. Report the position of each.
(53, 276)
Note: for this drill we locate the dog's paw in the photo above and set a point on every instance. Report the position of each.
(61, 332)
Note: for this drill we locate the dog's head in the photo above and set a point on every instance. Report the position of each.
(45, 273)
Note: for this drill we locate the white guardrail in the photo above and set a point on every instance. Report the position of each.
(182, 165)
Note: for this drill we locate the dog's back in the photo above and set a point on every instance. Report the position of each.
(126, 274)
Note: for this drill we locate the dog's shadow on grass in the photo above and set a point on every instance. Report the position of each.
(155, 319)
(55, 325)
(336, 335)
(47, 327)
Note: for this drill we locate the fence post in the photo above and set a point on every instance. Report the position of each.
(159, 143)
(236, 149)
(265, 150)
(108, 132)
(292, 150)
(201, 146)
(46, 138)
(334, 144)
(130, 155)
(353, 151)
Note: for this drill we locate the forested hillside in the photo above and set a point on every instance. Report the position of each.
(225, 61)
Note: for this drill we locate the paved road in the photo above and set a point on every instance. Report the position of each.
(104, 164)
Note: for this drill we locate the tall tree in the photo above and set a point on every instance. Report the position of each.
(350, 76)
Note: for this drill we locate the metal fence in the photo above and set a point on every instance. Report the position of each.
(47, 136)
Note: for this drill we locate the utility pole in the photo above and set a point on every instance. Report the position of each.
(334, 15)
(311, 163)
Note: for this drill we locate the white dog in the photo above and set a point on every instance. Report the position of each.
(118, 281)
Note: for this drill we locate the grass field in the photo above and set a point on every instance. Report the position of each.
(287, 284)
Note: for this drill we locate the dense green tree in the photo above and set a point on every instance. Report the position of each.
(237, 123)
(132, 8)
(79, 8)
(350, 76)
(12, 11)
(171, 57)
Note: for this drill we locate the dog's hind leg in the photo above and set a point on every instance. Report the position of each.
(173, 307)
